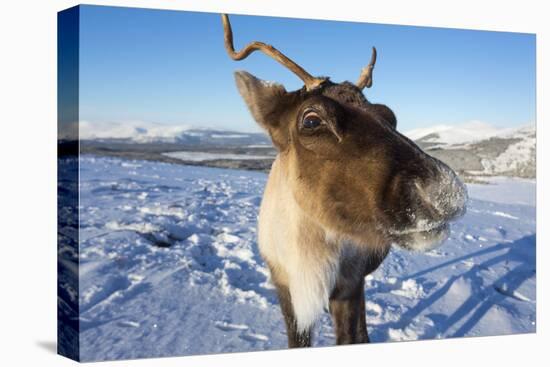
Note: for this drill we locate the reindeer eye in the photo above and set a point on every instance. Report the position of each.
(311, 121)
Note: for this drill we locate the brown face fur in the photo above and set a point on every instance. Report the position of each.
(348, 166)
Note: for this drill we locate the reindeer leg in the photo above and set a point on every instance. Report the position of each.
(296, 339)
(348, 316)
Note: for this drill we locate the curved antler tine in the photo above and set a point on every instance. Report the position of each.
(309, 81)
(365, 79)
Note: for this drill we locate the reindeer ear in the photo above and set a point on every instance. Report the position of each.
(264, 100)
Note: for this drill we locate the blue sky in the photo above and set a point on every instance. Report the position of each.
(171, 67)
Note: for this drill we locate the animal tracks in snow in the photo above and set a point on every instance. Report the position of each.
(252, 337)
(226, 326)
(245, 333)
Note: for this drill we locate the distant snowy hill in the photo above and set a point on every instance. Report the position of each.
(473, 149)
(480, 149)
(452, 134)
(511, 154)
(146, 132)
(471, 132)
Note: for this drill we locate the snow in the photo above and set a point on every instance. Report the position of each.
(510, 191)
(169, 266)
(205, 156)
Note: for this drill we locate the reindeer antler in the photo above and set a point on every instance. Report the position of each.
(365, 79)
(309, 81)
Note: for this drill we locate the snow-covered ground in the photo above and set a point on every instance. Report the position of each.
(169, 266)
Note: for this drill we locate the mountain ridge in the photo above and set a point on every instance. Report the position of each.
(474, 149)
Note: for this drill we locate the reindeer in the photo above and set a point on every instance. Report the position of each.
(344, 187)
